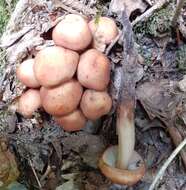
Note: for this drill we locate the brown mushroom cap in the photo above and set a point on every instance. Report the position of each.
(54, 65)
(72, 33)
(25, 73)
(73, 121)
(95, 104)
(94, 70)
(129, 176)
(62, 99)
(29, 102)
(105, 27)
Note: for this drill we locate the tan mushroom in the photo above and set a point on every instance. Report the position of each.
(94, 70)
(104, 31)
(54, 65)
(121, 164)
(72, 33)
(25, 73)
(29, 102)
(74, 121)
(62, 99)
(95, 104)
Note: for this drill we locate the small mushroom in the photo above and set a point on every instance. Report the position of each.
(25, 73)
(62, 99)
(29, 102)
(94, 70)
(54, 65)
(105, 28)
(121, 164)
(73, 121)
(95, 104)
(72, 33)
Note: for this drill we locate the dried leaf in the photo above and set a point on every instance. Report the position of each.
(90, 152)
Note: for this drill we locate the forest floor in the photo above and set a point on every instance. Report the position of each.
(47, 157)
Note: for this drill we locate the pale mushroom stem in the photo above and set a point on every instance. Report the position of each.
(126, 134)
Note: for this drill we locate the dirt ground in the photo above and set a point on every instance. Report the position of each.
(41, 155)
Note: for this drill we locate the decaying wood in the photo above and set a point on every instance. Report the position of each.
(131, 70)
(177, 12)
(131, 6)
(150, 11)
(75, 6)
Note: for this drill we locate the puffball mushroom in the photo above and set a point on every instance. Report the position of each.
(25, 73)
(94, 70)
(62, 99)
(72, 33)
(104, 27)
(95, 104)
(54, 65)
(73, 121)
(29, 102)
(121, 164)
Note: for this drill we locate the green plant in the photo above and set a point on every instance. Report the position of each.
(159, 24)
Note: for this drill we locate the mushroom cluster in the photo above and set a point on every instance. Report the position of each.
(69, 80)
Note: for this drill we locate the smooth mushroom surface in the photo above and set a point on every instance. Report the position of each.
(104, 27)
(94, 70)
(72, 33)
(73, 121)
(95, 104)
(129, 176)
(25, 73)
(54, 65)
(29, 102)
(62, 99)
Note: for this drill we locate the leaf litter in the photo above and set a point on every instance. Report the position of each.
(69, 161)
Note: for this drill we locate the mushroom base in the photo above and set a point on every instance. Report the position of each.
(130, 176)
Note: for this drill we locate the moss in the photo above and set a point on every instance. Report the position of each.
(5, 12)
(4, 15)
(159, 24)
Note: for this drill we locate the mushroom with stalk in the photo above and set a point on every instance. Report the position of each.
(121, 164)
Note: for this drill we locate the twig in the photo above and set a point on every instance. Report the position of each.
(166, 164)
(35, 174)
(47, 172)
(150, 11)
(177, 139)
(177, 12)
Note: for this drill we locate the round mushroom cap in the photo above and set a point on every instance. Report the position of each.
(130, 176)
(104, 27)
(25, 73)
(72, 33)
(95, 104)
(62, 99)
(29, 102)
(73, 121)
(54, 65)
(94, 70)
